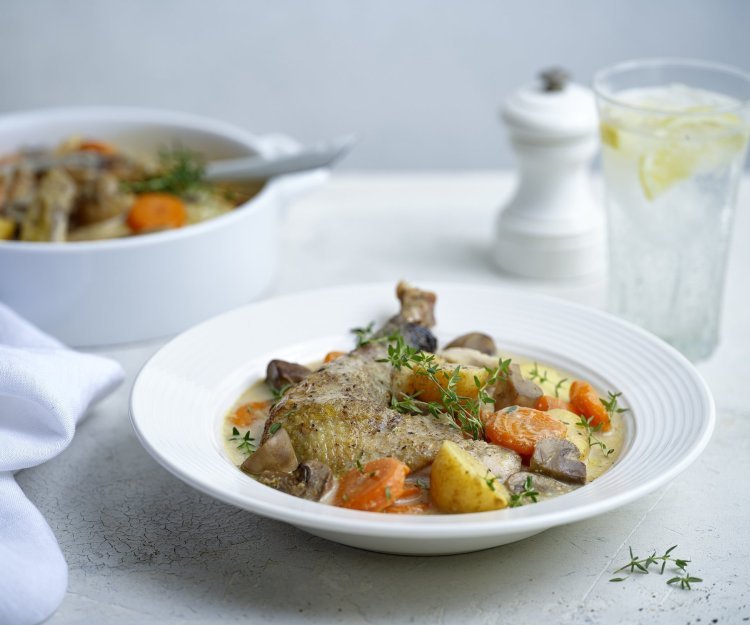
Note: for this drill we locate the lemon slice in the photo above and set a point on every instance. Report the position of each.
(688, 145)
(660, 169)
(609, 135)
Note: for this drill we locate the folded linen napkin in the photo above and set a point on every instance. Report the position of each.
(45, 389)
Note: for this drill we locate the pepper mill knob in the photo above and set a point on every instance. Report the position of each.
(553, 227)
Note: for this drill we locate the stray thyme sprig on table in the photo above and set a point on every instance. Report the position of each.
(642, 566)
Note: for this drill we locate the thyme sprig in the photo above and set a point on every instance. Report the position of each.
(558, 386)
(490, 480)
(278, 393)
(537, 376)
(684, 581)
(528, 492)
(464, 412)
(643, 565)
(367, 335)
(611, 406)
(591, 431)
(246, 444)
(364, 335)
(182, 171)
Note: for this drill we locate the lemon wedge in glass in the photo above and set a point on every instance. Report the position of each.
(684, 146)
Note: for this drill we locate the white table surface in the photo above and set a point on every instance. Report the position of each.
(145, 548)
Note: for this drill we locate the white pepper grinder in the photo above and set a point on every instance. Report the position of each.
(553, 227)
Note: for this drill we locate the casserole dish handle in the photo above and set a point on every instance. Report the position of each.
(292, 187)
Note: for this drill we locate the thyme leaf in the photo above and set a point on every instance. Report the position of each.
(538, 376)
(246, 444)
(364, 335)
(591, 430)
(181, 172)
(278, 393)
(528, 492)
(610, 404)
(558, 386)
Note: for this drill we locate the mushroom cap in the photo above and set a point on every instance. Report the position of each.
(276, 454)
(558, 458)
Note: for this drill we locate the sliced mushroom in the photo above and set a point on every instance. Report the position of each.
(545, 486)
(515, 390)
(311, 480)
(558, 458)
(276, 454)
(468, 356)
(281, 373)
(318, 479)
(475, 340)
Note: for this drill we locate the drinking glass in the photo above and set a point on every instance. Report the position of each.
(674, 137)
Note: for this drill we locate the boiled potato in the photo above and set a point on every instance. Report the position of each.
(461, 483)
(7, 228)
(416, 383)
(577, 434)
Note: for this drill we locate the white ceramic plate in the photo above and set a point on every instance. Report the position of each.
(182, 394)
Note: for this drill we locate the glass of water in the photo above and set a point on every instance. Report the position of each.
(674, 137)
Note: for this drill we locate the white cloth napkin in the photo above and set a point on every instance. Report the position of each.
(45, 389)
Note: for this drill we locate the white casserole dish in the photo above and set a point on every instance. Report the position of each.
(122, 290)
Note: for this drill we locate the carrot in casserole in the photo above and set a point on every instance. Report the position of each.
(152, 211)
(374, 486)
(586, 403)
(547, 402)
(330, 356)
(247, 413)
(100, 147)
(520, 429)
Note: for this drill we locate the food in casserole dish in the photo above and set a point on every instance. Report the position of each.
(87, 189)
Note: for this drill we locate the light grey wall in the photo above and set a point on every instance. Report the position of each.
(418, 80)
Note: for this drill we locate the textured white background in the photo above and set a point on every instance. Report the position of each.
(419, 80)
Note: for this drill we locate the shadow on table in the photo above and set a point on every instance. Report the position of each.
(171, 546)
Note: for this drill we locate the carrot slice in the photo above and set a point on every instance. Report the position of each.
(374, 487)
(152, 211)
(410, 490)
(547, 402)
(520, 429)
(332, 356)
(247, 413)
(407, 508)
(586, 402)
(100, 147)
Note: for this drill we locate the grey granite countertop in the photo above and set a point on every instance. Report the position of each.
(145, 548)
